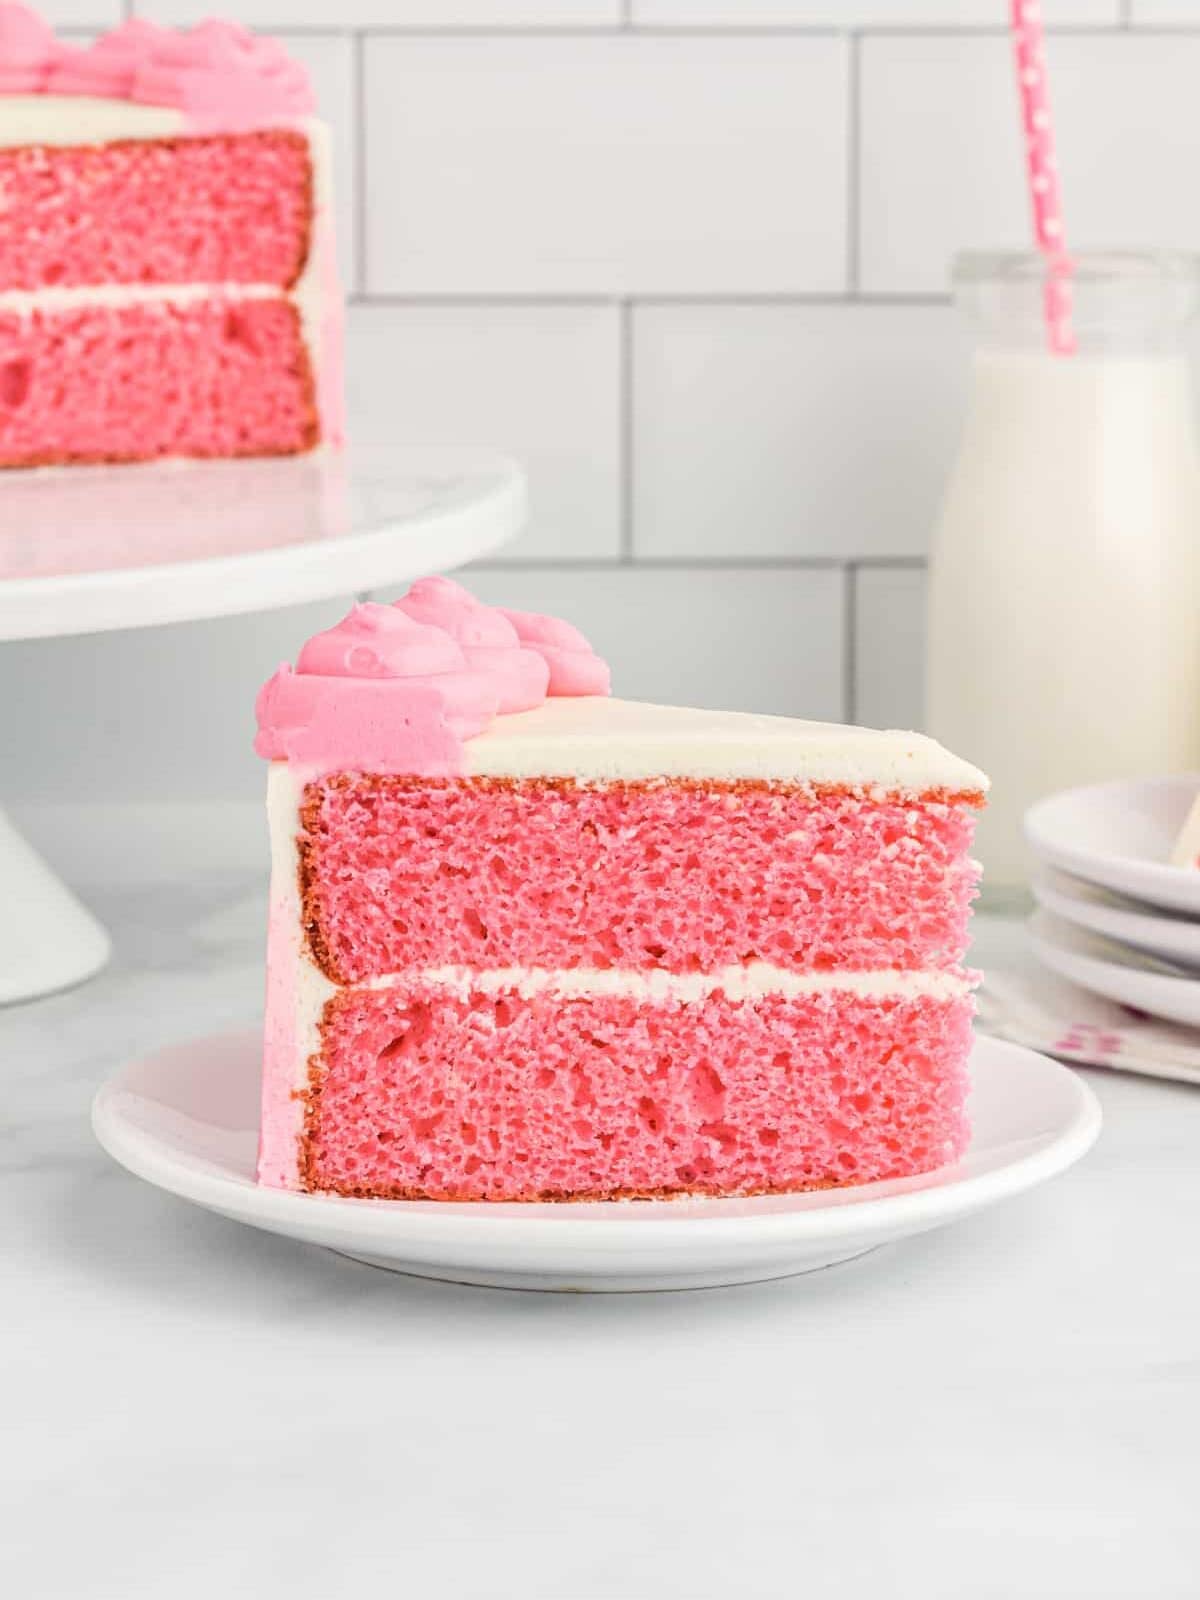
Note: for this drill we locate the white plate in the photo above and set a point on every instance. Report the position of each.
(1162, 933)
(1140, 981)
(1121, 835)
(186, 1119)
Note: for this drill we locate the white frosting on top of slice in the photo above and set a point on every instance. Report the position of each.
(593, 738)
(82, 119)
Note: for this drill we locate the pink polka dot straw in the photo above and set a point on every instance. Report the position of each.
(1042, 170)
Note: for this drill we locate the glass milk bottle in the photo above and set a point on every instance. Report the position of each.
(1064, 645)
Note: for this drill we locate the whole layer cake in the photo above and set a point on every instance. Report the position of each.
(528, 942)
(168, 284)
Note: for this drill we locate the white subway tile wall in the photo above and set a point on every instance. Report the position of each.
(863, 13)
(436, 14)
(889, 646)
(600, 165)
(1165, 11)
(542, 383)
(783, 432)
(687, 259)
(733, 639)
(82, 13)
(1128, 118)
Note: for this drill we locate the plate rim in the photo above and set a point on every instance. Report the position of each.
(1060, 959)
(424, 1223)
(1137, 922)
(1096, 868)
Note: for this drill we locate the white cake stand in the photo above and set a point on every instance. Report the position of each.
(89, 550)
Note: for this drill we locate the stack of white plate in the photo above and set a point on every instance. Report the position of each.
(1114, 916)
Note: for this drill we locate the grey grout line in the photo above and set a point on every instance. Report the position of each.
(982, 30)
(598, 30)
(502, 298)
(687, 563)
(853, 164)
(1152, 30)
(535, 300)
(358, 89)
(634, 30)
(620, 29)
(850, 642)
(626, 446)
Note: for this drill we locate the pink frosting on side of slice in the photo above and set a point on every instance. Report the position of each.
(397, 689)
(218, 74)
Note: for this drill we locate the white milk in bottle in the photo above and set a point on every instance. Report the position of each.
(1063, 639)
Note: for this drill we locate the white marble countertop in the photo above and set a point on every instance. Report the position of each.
(1009, 1407)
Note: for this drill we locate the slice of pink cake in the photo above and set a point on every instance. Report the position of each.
(530, 942)
(167, 275)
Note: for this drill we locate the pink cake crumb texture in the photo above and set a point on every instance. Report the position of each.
(231, 208)
(690, 876)
(496, 1097)
(104, 383)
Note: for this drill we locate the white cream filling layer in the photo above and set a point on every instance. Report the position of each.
(752, 981)
(23, 302)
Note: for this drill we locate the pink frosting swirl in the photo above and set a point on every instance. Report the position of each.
(105, 69)
(218, 74)
(398, 689)
(486, 637)
(574, 666)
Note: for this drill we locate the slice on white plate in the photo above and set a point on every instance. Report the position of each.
(186, 1119)
(1168, 935)
(1130, 977)
(1123, 836)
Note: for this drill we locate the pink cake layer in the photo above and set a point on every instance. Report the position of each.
(421, 1094)
(399, 874)
(208, 378)
(227, 208)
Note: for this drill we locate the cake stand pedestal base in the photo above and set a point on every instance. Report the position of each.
(48, 940)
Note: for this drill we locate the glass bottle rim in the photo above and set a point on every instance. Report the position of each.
(1085, 267)
(1118, 302)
